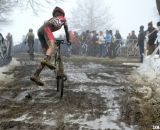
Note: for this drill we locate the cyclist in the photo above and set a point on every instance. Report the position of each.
(48, 41)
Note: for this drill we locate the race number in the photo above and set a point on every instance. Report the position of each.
(56, 22)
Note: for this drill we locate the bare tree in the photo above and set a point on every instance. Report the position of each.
(35, 5)
(90, 15)
(5, 8)
(7, 5)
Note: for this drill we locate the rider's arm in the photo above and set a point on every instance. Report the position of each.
(66, 31)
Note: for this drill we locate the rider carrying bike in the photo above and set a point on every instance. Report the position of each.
(48, 41)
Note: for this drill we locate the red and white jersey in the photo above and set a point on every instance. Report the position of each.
(55, 23)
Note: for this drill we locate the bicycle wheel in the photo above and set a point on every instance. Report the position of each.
(60, 85)
(55, 61)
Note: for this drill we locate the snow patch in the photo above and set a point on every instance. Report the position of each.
(150, 67)
(93, 66)
(106, 75)
(103, 122)
(50, 122)
(148, 71)
(22, 118)
(132, 64)
(10, 66)
(78, 77)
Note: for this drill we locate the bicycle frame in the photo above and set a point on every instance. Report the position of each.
(58, 62)
(59, 71)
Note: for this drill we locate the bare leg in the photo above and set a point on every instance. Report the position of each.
(47, 59)
(49, 51)
(45, 62)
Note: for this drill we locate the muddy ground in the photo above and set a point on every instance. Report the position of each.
(94, 97)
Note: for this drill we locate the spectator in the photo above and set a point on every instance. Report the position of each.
(157, 42)
(10, 44)
(118, 40)
(74, 40)
(101, 44)
(111, 49)
(118, 35)
(133, 37)
(108, 39)
(88, 41)
(3, 48)
(91, 44)
(9, 37)
(152, 35)
(141, 38)
(71, 37)
(158, 35)
(30, 41)
(158, 5)
(83, 44)
(129, 36)
(95, 45)
(1, 38)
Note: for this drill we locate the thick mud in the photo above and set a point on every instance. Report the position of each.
(93, 97)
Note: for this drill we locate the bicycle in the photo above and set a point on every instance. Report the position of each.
(59, 70)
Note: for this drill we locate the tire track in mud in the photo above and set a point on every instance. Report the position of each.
(92, 98)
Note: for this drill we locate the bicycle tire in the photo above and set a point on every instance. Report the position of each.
(55, 59)
(60, 86)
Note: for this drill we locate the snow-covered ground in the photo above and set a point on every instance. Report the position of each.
(145, 91)
(148, 72)
(148, 76)
(4, 77)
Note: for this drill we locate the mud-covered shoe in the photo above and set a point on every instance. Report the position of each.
(36, 80)
(48, 64)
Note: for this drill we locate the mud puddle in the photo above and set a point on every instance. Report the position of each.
(92, 99)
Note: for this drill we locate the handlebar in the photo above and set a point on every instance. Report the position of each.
(59, 41)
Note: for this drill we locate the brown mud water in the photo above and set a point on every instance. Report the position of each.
(93, 99)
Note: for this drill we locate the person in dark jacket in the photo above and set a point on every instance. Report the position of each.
(118, 35)
(141, 38)
(158, 5)
(152, 35)
(1, 38)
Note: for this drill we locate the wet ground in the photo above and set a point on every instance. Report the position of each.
(92, 98)
(4, 61)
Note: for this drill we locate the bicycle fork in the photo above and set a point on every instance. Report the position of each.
(59, 69)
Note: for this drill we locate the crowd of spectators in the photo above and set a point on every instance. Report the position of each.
(107, 44)
(102, 44)
(93, 43)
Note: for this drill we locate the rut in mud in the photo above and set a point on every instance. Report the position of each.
(92, 98)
